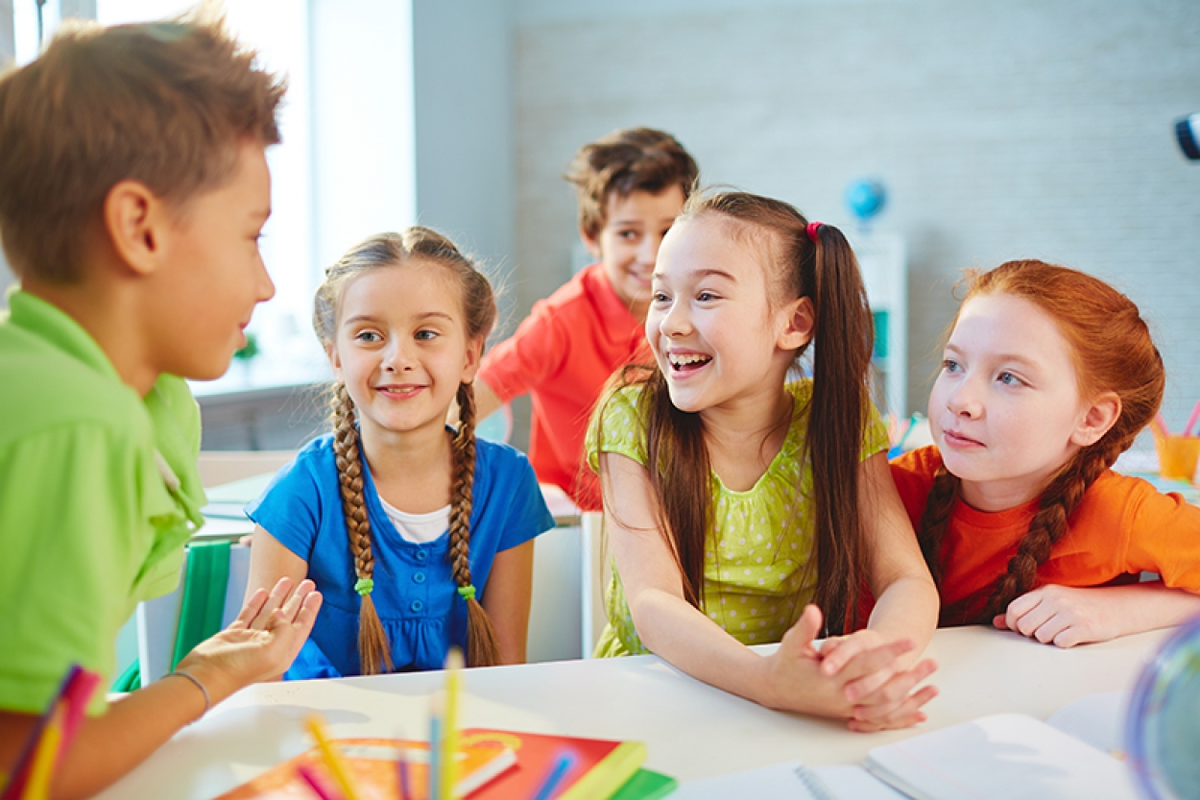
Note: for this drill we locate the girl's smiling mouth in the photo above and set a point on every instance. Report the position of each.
(399, 390)
(686, 362)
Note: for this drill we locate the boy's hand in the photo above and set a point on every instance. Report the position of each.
(260, 644)
(879, 688)
(1062, 615)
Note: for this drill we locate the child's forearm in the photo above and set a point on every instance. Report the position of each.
(788, 679)
(1139, 607)
(907, 609)
(675, 631)
(1067, 615)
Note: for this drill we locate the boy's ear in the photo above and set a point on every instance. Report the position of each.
(799, 323)
(1098, 419)
(591, 243)
(134, 219)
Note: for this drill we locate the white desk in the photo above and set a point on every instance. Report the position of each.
(691, 730)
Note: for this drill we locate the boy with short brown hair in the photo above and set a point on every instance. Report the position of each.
(133, 188)
(631, 185)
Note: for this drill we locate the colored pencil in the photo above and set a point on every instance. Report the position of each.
(72, 696)
(315, 783)
(331, 756)
(449, 744)
(562, 765)
(403, 779)
(46, 756)
(435, 746)
(1159, 426)
(1191, 423)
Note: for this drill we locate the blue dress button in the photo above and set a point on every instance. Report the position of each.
(416, 605)
(422, 555)
(418, 577)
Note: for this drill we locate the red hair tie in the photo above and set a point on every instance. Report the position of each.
(813, 229)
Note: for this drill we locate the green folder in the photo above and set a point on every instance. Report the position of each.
(646, 785)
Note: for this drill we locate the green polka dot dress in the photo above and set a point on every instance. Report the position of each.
(755, 582)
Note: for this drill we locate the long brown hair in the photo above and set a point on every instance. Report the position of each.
(1112, 351)
(479, 314)
(826, 271)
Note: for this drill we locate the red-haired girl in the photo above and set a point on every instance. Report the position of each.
(1048, 375)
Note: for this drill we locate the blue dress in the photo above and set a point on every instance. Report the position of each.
(415, 593)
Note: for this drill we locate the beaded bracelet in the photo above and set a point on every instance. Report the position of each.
(183, 674)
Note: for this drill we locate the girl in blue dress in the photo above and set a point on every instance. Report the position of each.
(419, 535)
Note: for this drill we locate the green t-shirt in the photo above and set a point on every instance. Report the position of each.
(755, 577)
(88, 524)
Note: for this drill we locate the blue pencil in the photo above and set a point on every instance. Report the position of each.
(435, 745)
(562, 765)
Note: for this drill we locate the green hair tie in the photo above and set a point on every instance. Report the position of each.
(364, 586)
(467, 592)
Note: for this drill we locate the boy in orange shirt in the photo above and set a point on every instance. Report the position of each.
(631, 185)
(133, 189)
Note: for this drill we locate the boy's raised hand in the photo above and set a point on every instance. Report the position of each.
(260, 644)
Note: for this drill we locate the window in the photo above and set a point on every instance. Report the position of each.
(345, 169)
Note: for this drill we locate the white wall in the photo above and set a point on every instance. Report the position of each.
(1003, 129)
(463, 120)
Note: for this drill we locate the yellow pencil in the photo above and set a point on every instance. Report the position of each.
(42, 769)
(333, 760)
(449, 765)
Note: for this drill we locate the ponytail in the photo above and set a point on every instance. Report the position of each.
(842, 333)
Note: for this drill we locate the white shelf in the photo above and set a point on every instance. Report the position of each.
(883, 259)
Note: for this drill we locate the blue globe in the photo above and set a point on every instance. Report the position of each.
(1162, 728)
(865, 198)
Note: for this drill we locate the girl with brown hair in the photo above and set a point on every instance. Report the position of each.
(1048, 375)
(733, 497)
(420, 536)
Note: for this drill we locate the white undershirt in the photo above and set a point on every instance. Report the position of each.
(418, 528)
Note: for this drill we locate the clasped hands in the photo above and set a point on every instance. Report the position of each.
(859, 677)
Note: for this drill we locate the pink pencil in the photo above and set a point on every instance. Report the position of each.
(1159, 426)
(1187, 431)
(316, 784)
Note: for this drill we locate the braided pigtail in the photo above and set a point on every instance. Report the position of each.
(373, 650)
(1050, 523)
(483, 649)
(935, 520)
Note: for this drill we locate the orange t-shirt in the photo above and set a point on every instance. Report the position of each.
(1123, 526)
(562, 354)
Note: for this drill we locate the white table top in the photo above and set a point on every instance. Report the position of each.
(691, 730)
